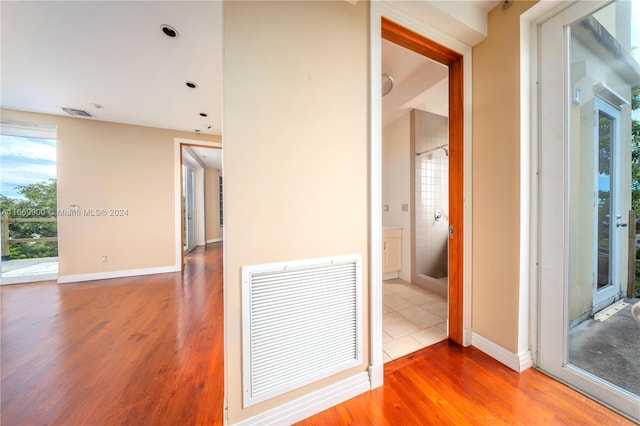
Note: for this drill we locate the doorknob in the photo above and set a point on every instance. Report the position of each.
(621, 225)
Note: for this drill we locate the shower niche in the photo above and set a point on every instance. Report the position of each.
(430, 209)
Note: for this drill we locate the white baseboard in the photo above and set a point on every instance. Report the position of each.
(376, 375)
(313, 403)
(215, 240)
(517, 362)
(63, 279)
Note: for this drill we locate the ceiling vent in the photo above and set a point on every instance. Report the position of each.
(77, 112)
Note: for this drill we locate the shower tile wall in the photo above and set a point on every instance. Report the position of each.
(431, 194)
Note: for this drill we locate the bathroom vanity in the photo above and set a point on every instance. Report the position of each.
(391, 249)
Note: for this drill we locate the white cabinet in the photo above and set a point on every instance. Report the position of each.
(391, 250)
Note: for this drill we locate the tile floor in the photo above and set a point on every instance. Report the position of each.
(413, 318)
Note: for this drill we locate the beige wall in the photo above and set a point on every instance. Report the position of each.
(212, 204)
(496, 178)
(113, 166)
(295, 111)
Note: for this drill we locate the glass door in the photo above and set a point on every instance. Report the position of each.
(609, 220)
(588, 186)
(28, 203)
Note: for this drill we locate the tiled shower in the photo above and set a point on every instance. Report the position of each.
(431, 212)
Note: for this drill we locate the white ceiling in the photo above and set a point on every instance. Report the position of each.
(81, 53)
(210, 157)
(419, 83)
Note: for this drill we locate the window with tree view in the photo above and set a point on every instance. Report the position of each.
(28, 205)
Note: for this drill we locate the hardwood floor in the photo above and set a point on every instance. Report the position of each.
(448, 384)
(141, 350)
(149, 351)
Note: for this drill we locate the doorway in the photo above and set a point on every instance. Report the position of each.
(398, 35)
(415, 197)
(199, 195)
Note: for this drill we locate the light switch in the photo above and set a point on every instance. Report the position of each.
(405, 207)
(385, 207)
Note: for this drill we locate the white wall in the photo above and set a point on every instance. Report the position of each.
(396, 184)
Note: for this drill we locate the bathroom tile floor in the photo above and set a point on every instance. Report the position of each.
(412, 318)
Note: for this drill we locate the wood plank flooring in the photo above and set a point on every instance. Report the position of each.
(149, 351)
(134, 351)
(446, 384)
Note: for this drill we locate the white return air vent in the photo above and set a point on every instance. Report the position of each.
(77, 112)
(301, 323)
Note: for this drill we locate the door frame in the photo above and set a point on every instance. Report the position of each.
(402, 36)
(394, 25)
(178, 143)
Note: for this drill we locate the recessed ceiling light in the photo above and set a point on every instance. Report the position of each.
(202, 114)
(191, 84)
(169, 31)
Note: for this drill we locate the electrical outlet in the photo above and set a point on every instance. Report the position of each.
(405, 207)
(104, 259)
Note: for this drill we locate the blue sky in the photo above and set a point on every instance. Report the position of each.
(25, 160)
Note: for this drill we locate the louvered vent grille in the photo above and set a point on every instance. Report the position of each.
(301, 323)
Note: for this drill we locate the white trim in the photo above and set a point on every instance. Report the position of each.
(312, 403)
(516, 361)
(376, 361)
(395, 12)
(529, 196)
(63, 279)
(376, 375)
(525, 195)
(627, 404)
(215, 240)
(177, 171)
(28, 130)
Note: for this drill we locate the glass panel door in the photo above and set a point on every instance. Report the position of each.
(589, 182)
(609, 222)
